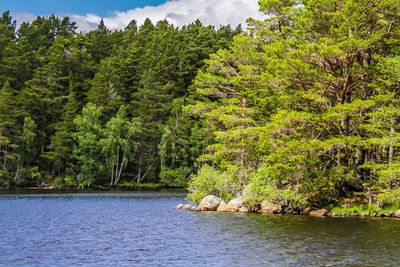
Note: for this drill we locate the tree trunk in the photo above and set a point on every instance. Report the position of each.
(117, 176)
(112, 176)
(18, 169)
(139, 176)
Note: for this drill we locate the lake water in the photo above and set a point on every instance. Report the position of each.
(144, 229)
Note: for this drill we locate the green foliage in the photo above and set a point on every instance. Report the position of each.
(391, 197)
(210, 181)
(294, 113)
(363, 209)
(263, 185)
(66, 182)
(119, 143)
(144, 186)
(175, 177)
(309, 104)
(88, 147)
(28, 176)
(367, 209)
(140, 78)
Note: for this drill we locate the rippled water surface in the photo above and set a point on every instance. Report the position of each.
(144, 229)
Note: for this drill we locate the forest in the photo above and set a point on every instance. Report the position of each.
(301, 108)
(102, 107)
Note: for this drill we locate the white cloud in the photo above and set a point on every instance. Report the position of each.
(22, 16)
(177, 12)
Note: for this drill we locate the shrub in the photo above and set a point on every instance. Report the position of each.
(390, 197)
(210, 181)
(175, 177)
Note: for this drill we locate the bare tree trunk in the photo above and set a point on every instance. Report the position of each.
(120, 169)
(112, 176)
(19, 166)
(140, 167)
(148, 169)
(116, 166)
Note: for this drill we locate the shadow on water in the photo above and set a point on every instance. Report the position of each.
(303, 240)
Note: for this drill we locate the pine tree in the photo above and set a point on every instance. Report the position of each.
(98, 42)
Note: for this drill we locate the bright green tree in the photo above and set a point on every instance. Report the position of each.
(88, 148)
(120, 143)
(326, 58)
(231, 95)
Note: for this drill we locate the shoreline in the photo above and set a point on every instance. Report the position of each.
(51, 189)
(214, 203)
(395, 215)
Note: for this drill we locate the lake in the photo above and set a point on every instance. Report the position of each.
(144, 229)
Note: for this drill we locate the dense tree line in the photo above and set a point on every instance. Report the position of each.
(302, 110)
(102, 107)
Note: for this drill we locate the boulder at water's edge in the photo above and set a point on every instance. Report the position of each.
(209, 203)
(187, 207)
(319, 213)
(270, 208)
(396, 214)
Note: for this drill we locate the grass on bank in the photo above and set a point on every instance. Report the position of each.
(134, 185)
(366, 208)
(69, 182)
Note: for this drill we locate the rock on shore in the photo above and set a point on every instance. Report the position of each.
(214, 203)
(234, 205)
(210, 203)
(187, 207)
(319, 213)
(268, 207)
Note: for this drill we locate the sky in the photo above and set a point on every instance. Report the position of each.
(118, 13)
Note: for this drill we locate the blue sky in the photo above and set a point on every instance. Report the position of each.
(80, 7)
(118, 13)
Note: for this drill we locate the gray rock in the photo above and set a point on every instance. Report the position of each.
(210, 203)
(195, 208)
(239, 201)
(187, 207)
(233, 206)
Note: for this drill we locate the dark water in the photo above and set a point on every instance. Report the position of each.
(143, 229)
